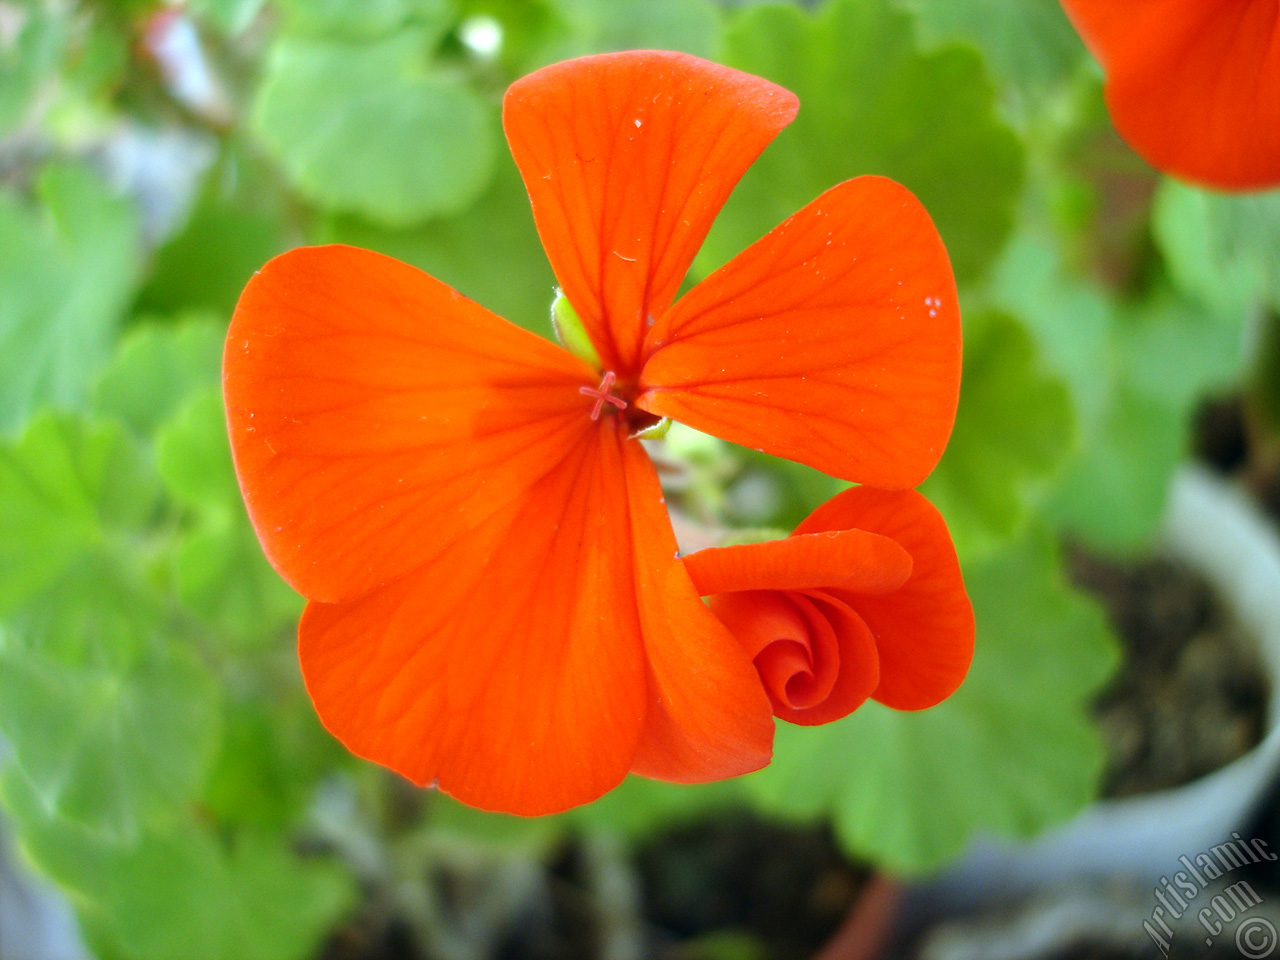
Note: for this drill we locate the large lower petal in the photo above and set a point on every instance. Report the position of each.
(1193, 85)
(834, 341)
(377, 416)
(924, 630)
(708, 717)
(511, 668)
(628, 157)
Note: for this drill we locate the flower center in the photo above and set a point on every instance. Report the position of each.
(603, 395)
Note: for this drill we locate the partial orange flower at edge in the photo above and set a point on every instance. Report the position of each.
(865, 599)
(1192, 85)
(497, 605)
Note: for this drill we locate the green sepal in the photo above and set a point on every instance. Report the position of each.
(570, 331)
(744, 536)
(657, 432)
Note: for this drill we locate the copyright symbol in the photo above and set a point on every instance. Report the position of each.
(1255, 938)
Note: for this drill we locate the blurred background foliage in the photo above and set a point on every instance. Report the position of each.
(158, 757)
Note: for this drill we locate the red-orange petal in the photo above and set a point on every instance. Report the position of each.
(708, 717)
(816, 658)
(510, 668)
(834, 341)
(858, 560)
(1193, 86)
(627, 158)
(923, 631)
(377, 416)
(859, 672)
(1103, 24)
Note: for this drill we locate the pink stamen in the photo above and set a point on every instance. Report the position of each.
(603, 396)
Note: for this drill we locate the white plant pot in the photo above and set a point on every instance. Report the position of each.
(1216, 529)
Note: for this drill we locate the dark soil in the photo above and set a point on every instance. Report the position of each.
(1227, 439)
(370, 936)
(1190, 695)
(730, 888)
(785, 889)
(1219, 437)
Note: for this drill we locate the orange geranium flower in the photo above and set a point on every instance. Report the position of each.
(1193, 85)
(496, 601)
(864, 599)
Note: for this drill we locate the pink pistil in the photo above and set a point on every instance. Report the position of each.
(603, 396)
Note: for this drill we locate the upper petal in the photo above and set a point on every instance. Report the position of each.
(1193, 86)
(510, 669)
(924, 630)
(628, 157)
(376, 416)
(708, 717)
(856, 559)
(834, 341)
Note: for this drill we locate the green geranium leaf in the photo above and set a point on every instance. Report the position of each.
(1114, 490)
(188, 891)
(1029, 44)
(156, 367)
(490, 254)
(28, 60)
(871, 102)
(108, 746)
(597, 26)
(67, 270)
(369, 128)
(69, 492)
(1175, 350)
(220, 571)
(231, 17)
(1013, 429)
(909, 790)
(107, 713)
(1113, 493)
(96, 60)
(193, 455)
(366, 18)
(207, 264)
(1116, 360)
(243, 218)
(1222, 250)
(222, 577)
(274, 754)
(1073, 324)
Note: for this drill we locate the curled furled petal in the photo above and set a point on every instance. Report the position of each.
(924, 630)
(815, 657)
(827, 633)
